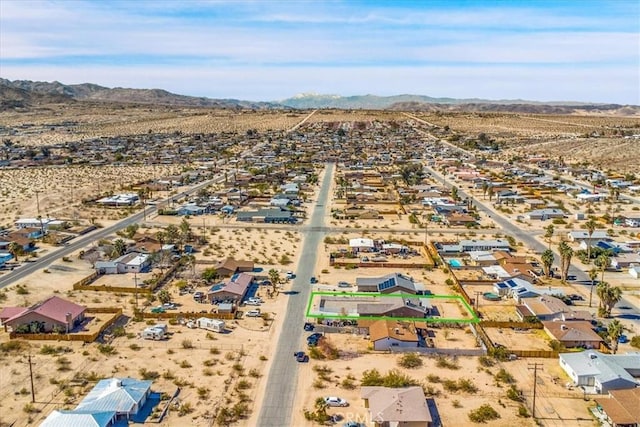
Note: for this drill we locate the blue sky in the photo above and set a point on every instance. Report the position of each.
(269, 50)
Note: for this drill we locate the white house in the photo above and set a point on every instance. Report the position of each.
(128, 263)
(634, 272)
(544, 214)
(599, 372)
(385, 334)
(361, 244)
(44, 223)
(578, 235)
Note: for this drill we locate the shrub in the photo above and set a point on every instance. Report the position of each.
(187, 344)
(11, 346)
(503, 376)
(135, 347)
(523, 412)
(107, 350)
(410, 361)
(185, 364)
(483, 414)
(443, 362)
(635, 341)
(348, 383)
(148, 375)
(514, 394)
(433, 378)
(486, 361)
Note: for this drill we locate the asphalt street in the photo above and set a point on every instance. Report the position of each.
(278, 403)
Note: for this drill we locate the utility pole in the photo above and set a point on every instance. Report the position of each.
(478, 293)
(33, 391)
(534, 367)
(135, 282)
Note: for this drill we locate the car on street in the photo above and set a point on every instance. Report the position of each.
(301, 356)
(335, 401)
(309, 326)
(253, 313)
(313, 280)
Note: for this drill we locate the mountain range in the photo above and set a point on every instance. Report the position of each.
(20, 94)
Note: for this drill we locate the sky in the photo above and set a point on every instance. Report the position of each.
(557, 50)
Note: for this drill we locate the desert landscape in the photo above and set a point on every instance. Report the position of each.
(206, 186)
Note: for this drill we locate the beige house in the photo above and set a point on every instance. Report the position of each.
(397, 407)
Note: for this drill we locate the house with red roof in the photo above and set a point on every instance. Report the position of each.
(51, 315)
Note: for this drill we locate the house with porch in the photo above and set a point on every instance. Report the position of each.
(599, 372)
(52, 314)
(385, 334)
(234, 290)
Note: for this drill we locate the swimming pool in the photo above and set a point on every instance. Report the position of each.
(455, 263)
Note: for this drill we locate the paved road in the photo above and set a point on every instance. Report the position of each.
(78, 243)
(278, 403)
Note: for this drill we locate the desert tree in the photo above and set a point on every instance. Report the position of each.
(566, 253)
(614, 331)
(547, 259)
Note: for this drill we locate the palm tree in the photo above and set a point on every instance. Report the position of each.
(490, 192)
(548, 233)
(119, 248)
(485, 188)
(614, 295)
(614, 330)
(593, 274)
(591, 226)
(565, 259)
(547, 259)
(454, 193)
(603, 261)
(15, 249)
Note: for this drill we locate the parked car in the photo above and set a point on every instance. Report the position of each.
(344, 284)
(169, 306)
(253, 313)
(622, 339)
(313, 339)
(335, 401)
(158, 309)
(253, 301)
(198, 295)
(313, 280)
(291, 275)
(301, 356)
(309, 326)
(353, 424)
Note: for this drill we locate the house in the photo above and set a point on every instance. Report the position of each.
(230, 266)
(269, 216)
(591, 198)
(124, 396)
(39, 223)
(548, 307)
(632, 222)
(577, 236)
(50, 315)
(395, 307)
(362, 245)
(63, 418)
(576, 333)
(621, 408)
(233, 290)
(544, 214)
(390, 283)
(119, 200)
(191, 209)
(454, 219)
(25, 243)
(482, 258)
(627, 260)
(132, 262)
(406, 406)
(599, 373)
(519, 289)
(155, 332)
(384, 334)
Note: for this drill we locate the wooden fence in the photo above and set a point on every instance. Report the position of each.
(547, 354)
(115, 312)
(113, 289)
(370, 264)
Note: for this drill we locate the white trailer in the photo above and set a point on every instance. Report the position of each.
(215, 325)
(156, 333)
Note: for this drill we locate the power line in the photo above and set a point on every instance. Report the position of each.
(534, 367)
